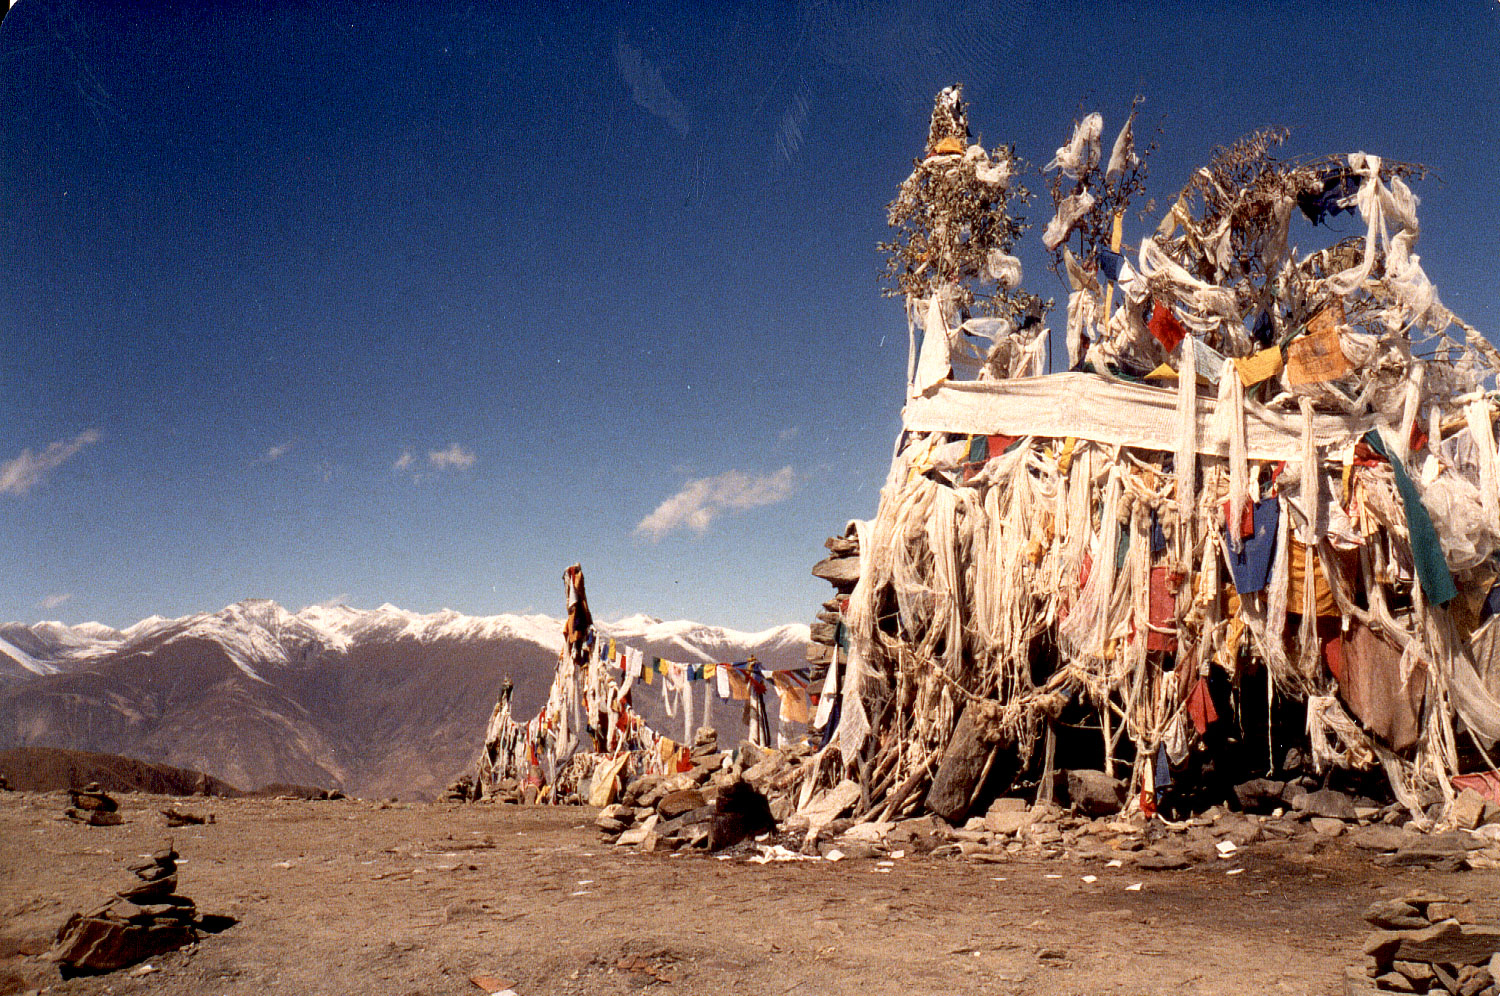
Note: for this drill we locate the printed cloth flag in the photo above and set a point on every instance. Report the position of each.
(1251, 567)
(635, 664)
(739, 683)
(794, 704)
(1318, 356)
(1259, 366)
(1207, 361)
(1165, 326)
(1337, 188)
(1427, 551)
(1264, 331)
(1200, 707)
(721, 677)
(828, 694)
(1163, 609)
(1324, 605)
(709, 671)
(1109, 263)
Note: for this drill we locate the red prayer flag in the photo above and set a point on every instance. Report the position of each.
(1165, 326)
(1200, 707)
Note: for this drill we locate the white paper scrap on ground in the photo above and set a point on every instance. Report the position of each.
(1116, 863)
(1133, 888)
(1091, 878)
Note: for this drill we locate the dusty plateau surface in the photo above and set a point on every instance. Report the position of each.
(393, 900)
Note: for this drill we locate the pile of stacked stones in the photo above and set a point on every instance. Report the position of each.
(840, 569)
(92, 805)
(145, 918)
(1427, 943)
(717, 803)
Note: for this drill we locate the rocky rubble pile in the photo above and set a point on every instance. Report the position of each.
(145, 918)
(1427, 943)
(720, 801)
(675, 811)
(92, 805)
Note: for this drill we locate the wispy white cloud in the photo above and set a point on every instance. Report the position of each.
(702, 501)
(451, 457)
(455, 457)
(55, 601)
(647, 88)
(274, 453)
(26, 471)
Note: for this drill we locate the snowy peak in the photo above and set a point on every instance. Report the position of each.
(259, 634)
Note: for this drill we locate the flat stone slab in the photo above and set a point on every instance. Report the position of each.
(1448, 942)
(1393, 914)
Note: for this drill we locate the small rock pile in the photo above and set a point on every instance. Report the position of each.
(719, 802)
(145, 918)
(1425, 943)
(464, 788)
(92, 805)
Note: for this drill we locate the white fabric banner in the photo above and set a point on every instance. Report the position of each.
(1105, 410)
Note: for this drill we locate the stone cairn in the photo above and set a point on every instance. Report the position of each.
(716, 804)
(145, 918)
(1426, 943)
(92, 805)
(840, 569)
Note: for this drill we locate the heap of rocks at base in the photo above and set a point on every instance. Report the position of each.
(1297, 820)
(1427, 943)
(719, 802)
(92, 805)
(145, 918)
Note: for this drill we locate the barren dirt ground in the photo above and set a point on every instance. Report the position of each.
(347, 897)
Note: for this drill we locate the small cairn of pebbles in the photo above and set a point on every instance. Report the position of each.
(145, 918)
(1423, 944)
(92, 805)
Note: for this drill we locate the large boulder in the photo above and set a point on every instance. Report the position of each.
(740, 812)
(1095, 793)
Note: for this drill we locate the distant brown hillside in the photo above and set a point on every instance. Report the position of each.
(43, 769)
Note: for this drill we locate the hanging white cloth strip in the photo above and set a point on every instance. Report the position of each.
(1113, 411)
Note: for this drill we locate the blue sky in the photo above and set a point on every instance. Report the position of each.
(420, 303)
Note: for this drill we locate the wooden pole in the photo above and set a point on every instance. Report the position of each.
(1044, 790)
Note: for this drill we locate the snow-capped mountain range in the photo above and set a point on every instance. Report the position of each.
(376, 702)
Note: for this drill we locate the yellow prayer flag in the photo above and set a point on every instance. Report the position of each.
(1162, 372)
(1258, 366)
